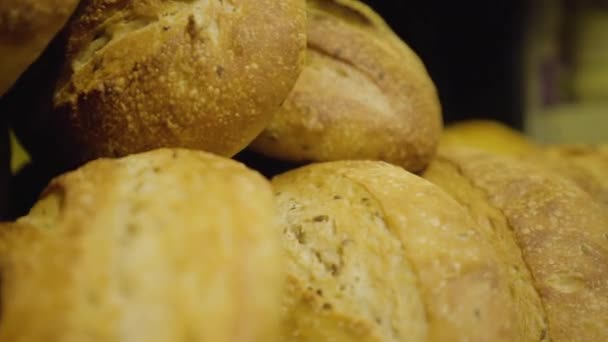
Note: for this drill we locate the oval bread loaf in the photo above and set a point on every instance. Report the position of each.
(348, 276)
(561, 232)
(130, 76)
(168, 245)
(363, 94)
(26, 28)
(333, 216)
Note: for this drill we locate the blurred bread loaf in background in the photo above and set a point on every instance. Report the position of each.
(363, 94)
(170, 245)
(131, 76)
(26, 28)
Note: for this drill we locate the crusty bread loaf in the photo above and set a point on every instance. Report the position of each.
(348, 276)
(129, 76)
(170, 245)
(363, 94)
(560, 230)
(494, 227)
(490, 136)
(463, 285)
(26, 28)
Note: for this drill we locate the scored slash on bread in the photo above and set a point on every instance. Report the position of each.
(560, 230)
(363, 94)
(336, 217)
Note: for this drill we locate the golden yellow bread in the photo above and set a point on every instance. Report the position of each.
(363, 94)
(348, 276)
(487, 135)
(495, 228)
(130, 76)
(335, 217)
(586, 165)
(561, 232)
(26, 28)
(170, 245)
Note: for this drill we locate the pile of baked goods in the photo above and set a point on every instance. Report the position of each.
(275, 170)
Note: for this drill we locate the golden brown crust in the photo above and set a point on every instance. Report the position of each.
(348, 276)
(562, 235)
(145, 74)
(165, 246)
(460, 277)
(363, 94)
(530, 321)
(490, 136)
(26, 28)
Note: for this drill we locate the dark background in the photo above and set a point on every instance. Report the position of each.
(472, 49)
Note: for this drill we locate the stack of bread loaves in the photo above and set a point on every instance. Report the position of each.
(375, 225)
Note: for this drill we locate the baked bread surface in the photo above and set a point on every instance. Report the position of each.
(561, 232)
(130, 76)
(363, 94)
(26, 28)
(459, 277)
(171, 245)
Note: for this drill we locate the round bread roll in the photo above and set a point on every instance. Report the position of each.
(490, 136)
(131, 76)
(561, 232)
(26, 28)
(170, 245)
(363, 94)
(338, 219)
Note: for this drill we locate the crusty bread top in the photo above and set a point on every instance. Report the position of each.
(363, 94)
(458, 270)
(530, 322)
(348, 277)
(26, 28)
(563, 236)
(138, 75)
(171, 245)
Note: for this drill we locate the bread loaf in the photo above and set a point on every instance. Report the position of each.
(586, 165)
(338, 219)
(170, 245)
(131, 76)
(348, 276)
(26, 28)
(363, 94)
(490, 136)
(559, 229)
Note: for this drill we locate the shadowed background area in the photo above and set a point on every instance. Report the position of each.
(473, 51)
